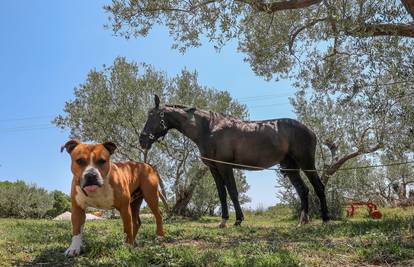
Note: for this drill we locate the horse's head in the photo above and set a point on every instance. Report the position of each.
(155, 127)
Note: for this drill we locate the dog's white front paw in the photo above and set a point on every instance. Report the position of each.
(75, 247)
(72, 251)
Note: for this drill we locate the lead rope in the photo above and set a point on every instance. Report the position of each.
(284, 169)
(316, 170)
(145, 155)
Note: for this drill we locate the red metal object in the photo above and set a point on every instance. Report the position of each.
(372, 209)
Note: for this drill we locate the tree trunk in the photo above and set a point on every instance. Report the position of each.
(211, 211)
(180, 206)
(183, 197)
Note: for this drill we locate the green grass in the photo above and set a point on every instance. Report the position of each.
(268, 238)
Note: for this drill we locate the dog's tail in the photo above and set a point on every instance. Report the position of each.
(160, 194)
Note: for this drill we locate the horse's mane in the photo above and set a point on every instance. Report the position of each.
(176, 106)
(212, 113)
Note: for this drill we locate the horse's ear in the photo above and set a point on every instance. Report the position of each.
(69, 146)
(156, 101)
(110, 147)
(189, 110)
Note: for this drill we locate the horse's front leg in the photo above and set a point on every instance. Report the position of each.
(228, 176)
(221, 189)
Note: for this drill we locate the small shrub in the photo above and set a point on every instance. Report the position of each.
(61, 203)
(20, 200)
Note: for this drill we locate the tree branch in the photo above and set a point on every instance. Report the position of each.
(364, 133)
(336, 165)
(260, 5)
(382, 29)
(408, 182)
(367, 150)
(292, 36)
(409, 6)
(333, 148)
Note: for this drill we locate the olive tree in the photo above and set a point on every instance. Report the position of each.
(353, 132)
(328, 44)
(356, 48)
(354, 59)
(112, 104)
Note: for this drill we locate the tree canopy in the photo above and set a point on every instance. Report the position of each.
(352, 62)
(359, 51)
(331, 44)
(112, 104)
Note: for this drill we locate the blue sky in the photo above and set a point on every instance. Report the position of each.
(47, 48)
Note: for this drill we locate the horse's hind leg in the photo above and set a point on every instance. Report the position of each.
(300, 186)
(307, 164)
(306, 160)
(319, 188)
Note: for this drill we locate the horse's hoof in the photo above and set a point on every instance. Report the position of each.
(304, 218)
(238, 223)
(302, 223)
(222, 223)
(325, 219)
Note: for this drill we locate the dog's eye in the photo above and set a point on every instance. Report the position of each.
(101, 161)
(81, 162)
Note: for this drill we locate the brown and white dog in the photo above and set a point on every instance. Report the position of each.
(99, 183)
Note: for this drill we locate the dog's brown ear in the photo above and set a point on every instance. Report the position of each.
(70, 145)
(110, 147)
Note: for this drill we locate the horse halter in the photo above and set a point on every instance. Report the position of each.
(162, 121)
(163, 126)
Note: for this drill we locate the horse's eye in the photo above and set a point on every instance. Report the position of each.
(101, 162)
(81, 162)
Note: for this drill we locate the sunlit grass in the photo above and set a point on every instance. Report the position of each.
(269, 238)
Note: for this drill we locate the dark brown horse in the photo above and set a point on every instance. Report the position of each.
(253, 143)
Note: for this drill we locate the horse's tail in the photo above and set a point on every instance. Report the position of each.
(164, 201)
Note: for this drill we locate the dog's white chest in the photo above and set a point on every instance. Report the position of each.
(103, 198)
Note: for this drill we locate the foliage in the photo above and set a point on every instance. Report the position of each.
(334, 198)
(395, 184)
(272, 239)
(20, 200)
(205, 198)
(352, 133)
(112, 104)
(352, 62)
(61, 203)
(327, 44)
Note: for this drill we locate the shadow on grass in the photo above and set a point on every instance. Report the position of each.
(48, 257)
(393, 250)
(385, 241)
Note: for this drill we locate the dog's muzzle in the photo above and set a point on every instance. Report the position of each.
(91, 180)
